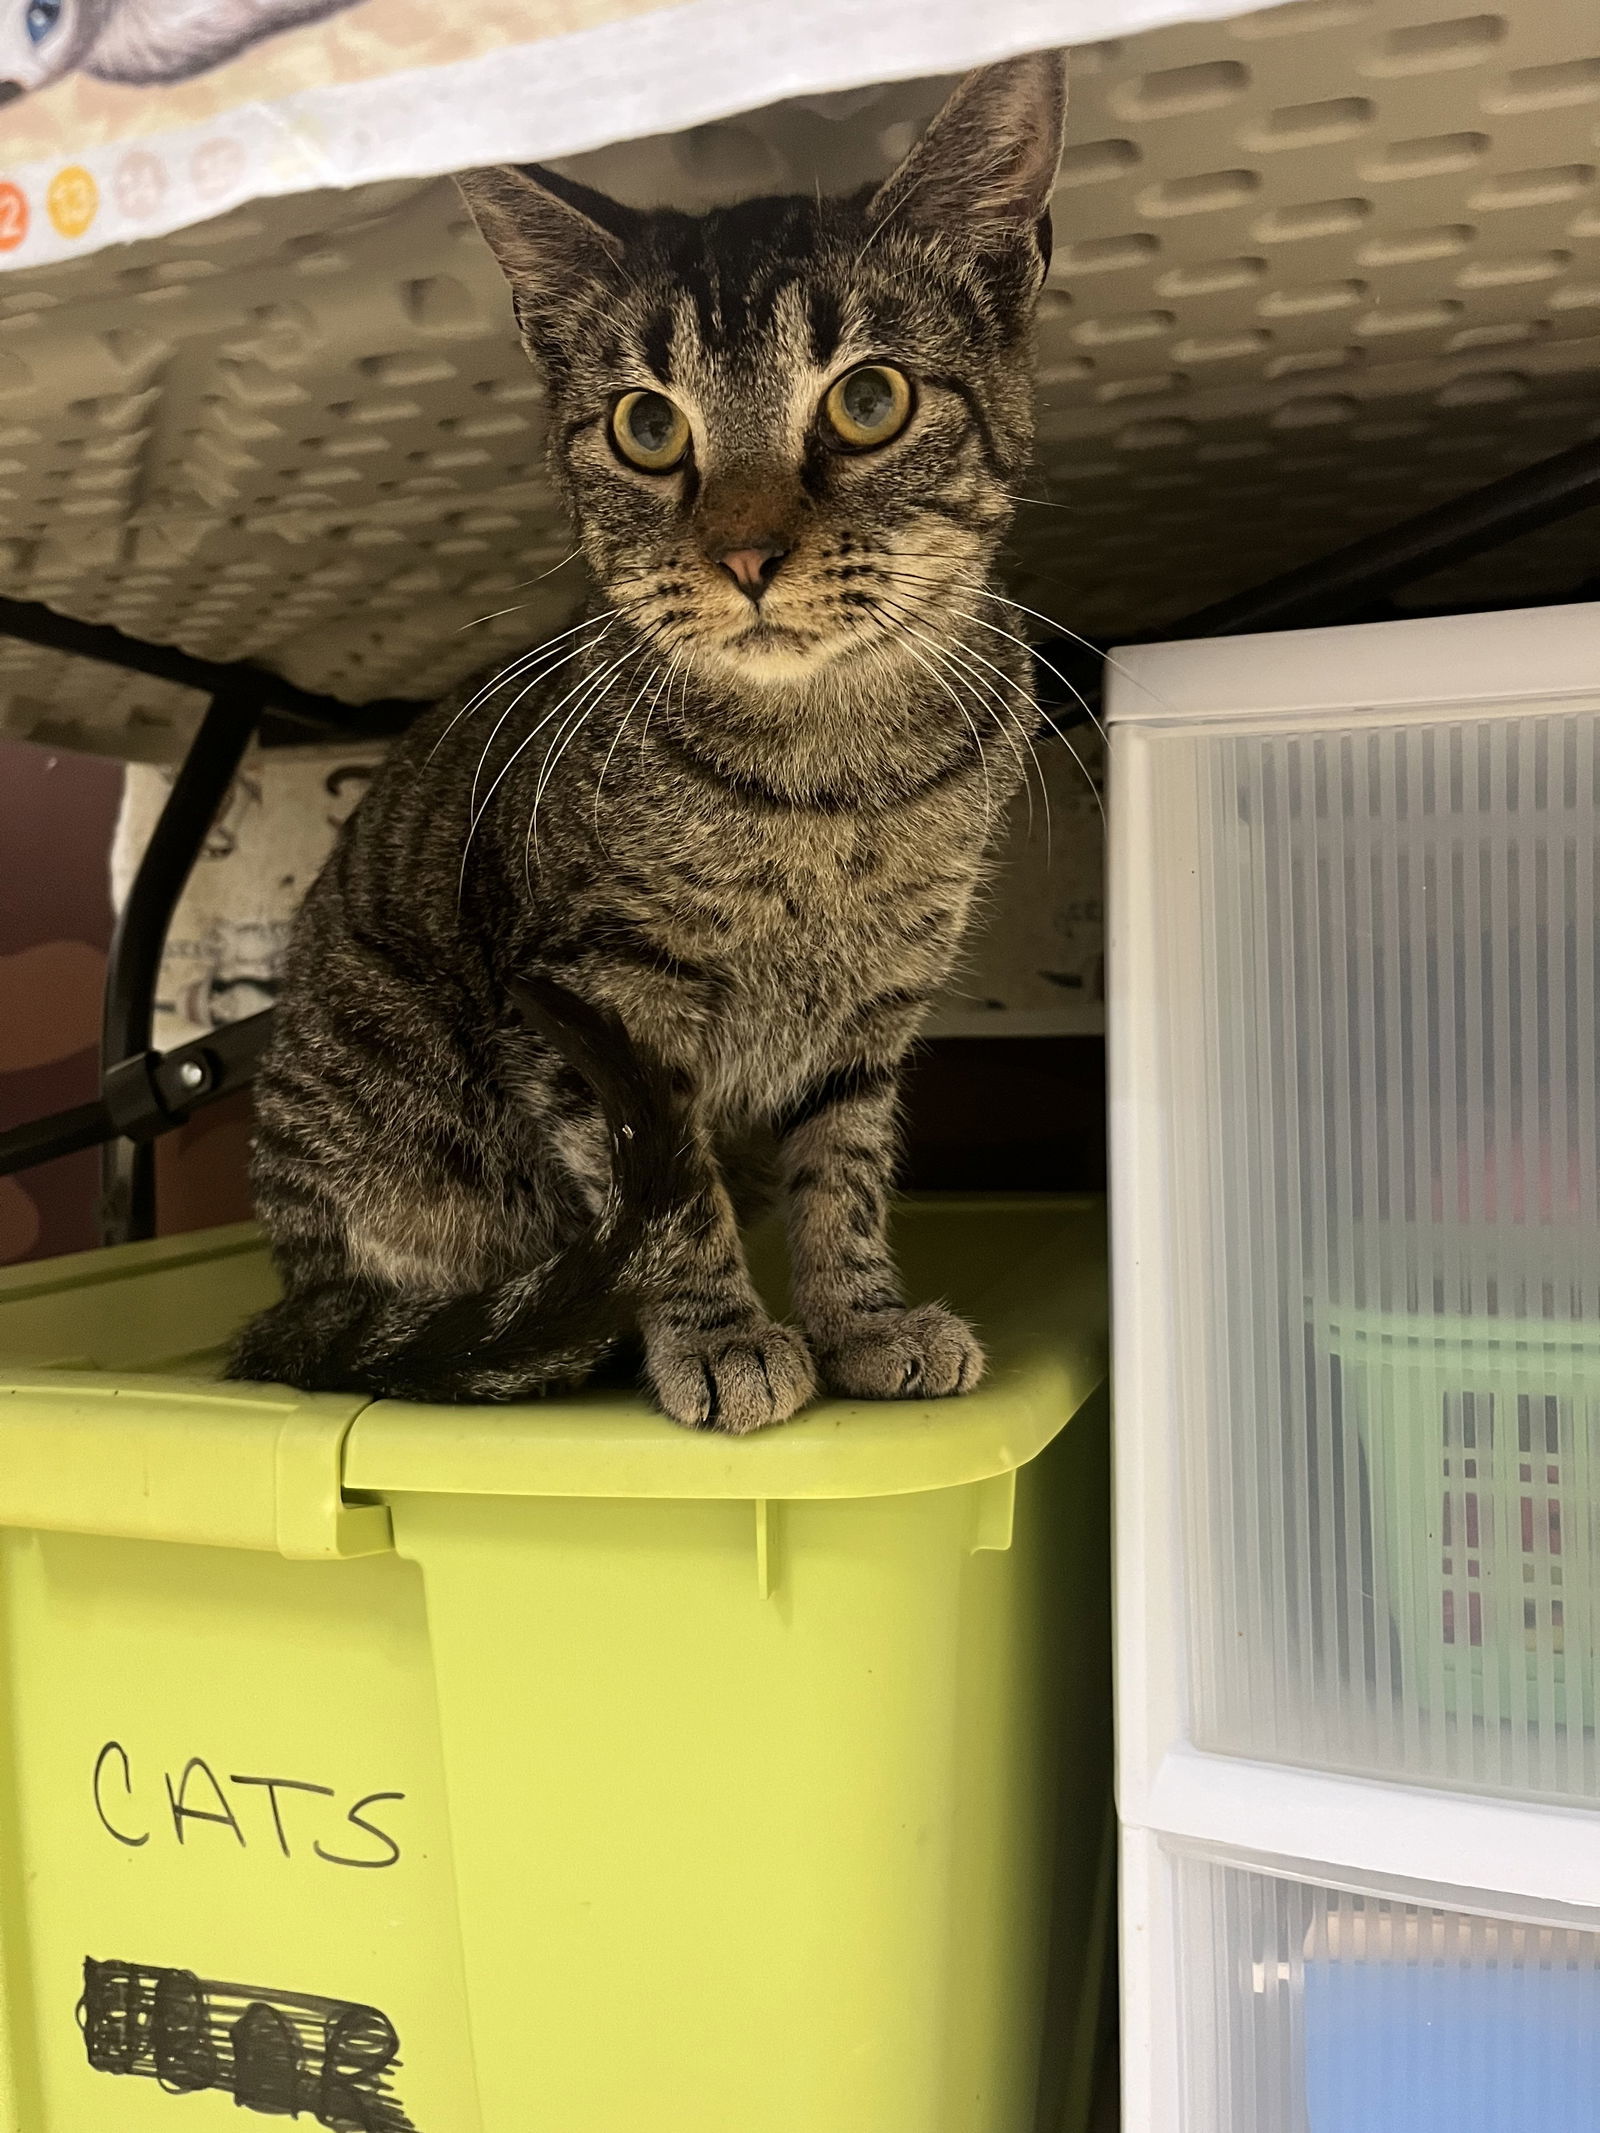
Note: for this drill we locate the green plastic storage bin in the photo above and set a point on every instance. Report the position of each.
(548, 1769)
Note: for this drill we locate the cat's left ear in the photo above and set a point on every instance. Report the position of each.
(552, 237)
(984, 171)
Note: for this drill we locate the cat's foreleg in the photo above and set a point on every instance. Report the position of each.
(838, 1144)
(715, 1358)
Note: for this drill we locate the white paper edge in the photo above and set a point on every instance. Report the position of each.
(657, 73)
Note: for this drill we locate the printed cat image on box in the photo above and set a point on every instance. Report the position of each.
(136, 41)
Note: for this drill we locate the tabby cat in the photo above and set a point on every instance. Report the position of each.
(655, 914)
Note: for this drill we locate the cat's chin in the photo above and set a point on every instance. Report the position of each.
(770, 655)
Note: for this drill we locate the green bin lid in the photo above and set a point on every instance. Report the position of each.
(113, 1417)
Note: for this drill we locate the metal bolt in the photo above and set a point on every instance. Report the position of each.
(192, 1075)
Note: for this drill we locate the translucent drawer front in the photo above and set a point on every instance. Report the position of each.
(1381, 1063)
(1306, 2010)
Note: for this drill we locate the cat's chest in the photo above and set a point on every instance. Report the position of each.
(814, 907)
(792, 925)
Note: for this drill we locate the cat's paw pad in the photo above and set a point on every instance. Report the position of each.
(734, 1381)
(923, 1354)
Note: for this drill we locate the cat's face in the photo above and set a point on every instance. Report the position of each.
(789, 431)
(39, 41)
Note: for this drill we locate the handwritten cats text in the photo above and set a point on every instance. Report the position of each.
(287, 1814)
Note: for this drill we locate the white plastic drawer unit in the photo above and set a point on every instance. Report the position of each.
(1315, 2010)
(1355, 967)
(1356, 1075)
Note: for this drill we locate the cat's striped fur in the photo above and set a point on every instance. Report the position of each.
(747, 837)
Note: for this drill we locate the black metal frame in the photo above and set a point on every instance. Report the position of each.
(144, 1093)
(133, 1090)
(288, 712)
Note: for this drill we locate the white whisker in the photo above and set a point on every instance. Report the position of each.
(622, 726)
(1048, 503)
(1039, 712)
(520, 697)
(1003, 715)
(590, 681)
(519, 665)
(1088, 643)
(988, 790)
(571, 554)
(588, 700)
(572, 726)
(644, 731)
(1033, 652)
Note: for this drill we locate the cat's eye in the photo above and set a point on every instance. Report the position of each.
(649, 431)
(41, 19)
(869, 406)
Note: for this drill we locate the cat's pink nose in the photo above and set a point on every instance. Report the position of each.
(751, 568)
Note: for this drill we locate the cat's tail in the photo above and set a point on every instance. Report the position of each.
(543, 1328)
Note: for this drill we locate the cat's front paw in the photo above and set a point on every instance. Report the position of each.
(734, 1380)
(922, 1354)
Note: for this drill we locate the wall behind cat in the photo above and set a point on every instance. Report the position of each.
(57, 813)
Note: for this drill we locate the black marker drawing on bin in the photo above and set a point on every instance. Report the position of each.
(286, 2054)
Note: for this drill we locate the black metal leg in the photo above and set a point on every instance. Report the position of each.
(128, 1209)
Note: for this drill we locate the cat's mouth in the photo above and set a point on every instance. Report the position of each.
(777, 654)
(763, 641)
(765, 651)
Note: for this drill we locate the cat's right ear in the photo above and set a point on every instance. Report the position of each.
(552, 237)
(983, 173)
